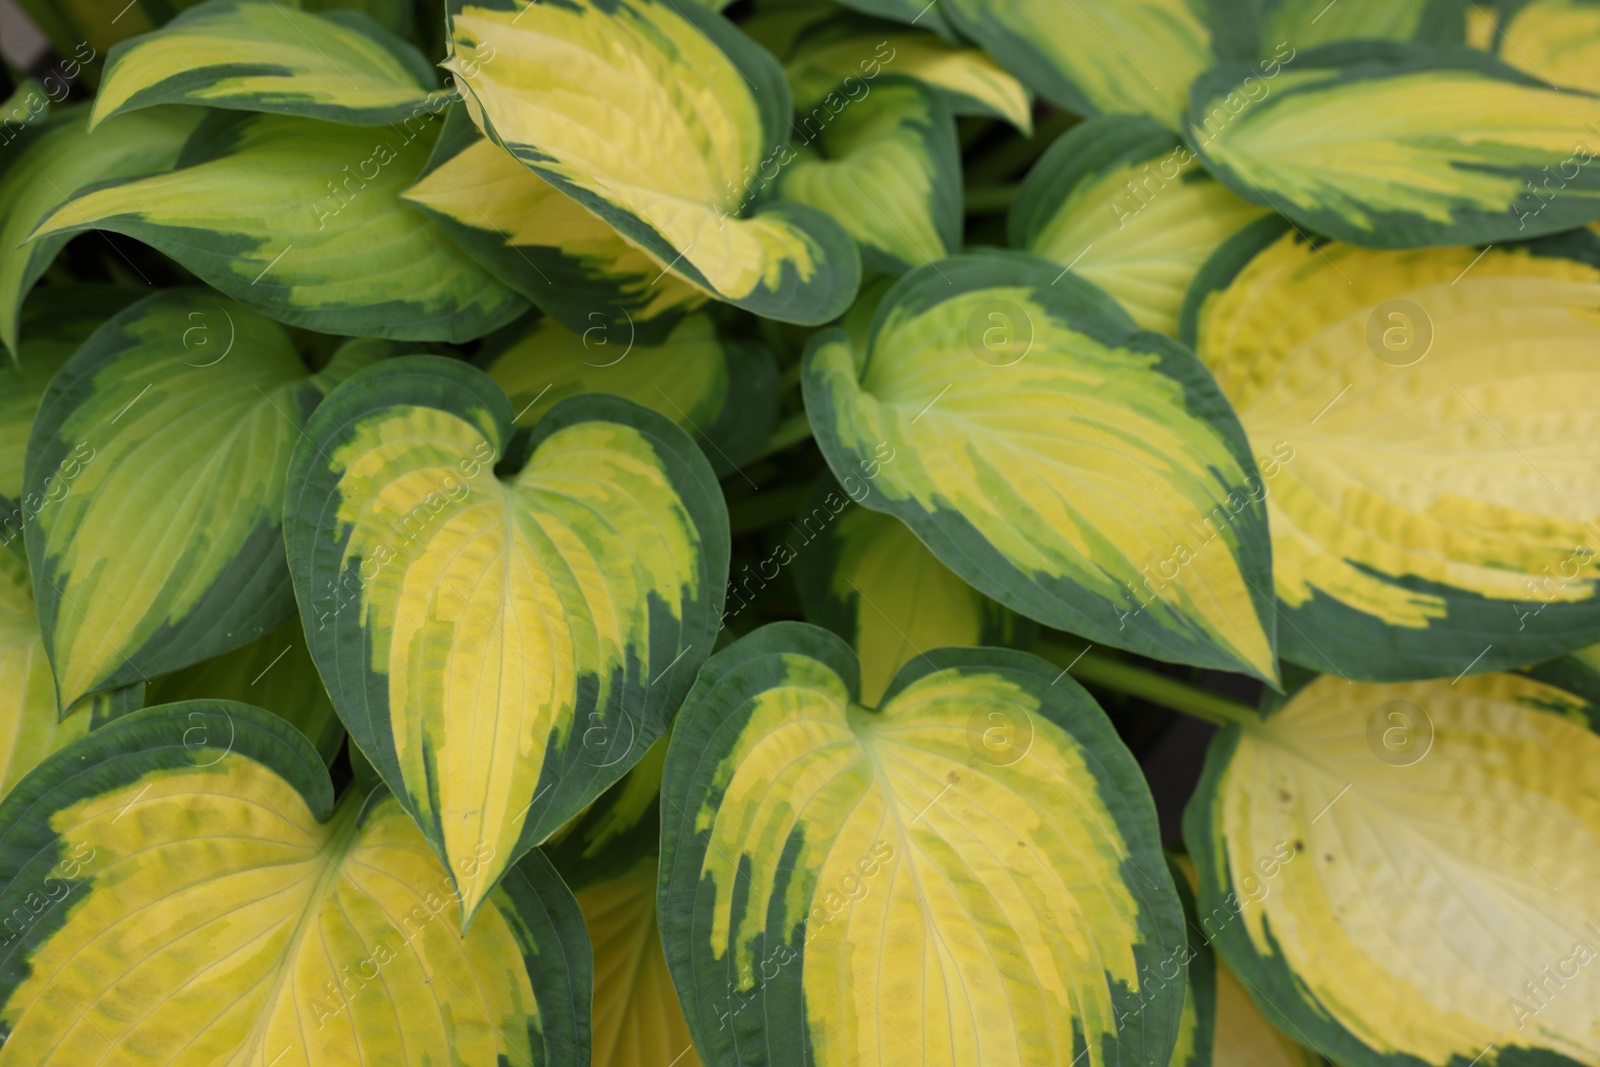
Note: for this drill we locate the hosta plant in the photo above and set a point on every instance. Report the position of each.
(660, 533)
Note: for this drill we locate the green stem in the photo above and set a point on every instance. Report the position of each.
(1124, 677)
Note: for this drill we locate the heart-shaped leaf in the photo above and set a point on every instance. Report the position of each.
(185, 407)
(1432, 455)
(1081, 472)
(181, 882)
(1395, 870)
(842, 885)
(502, 648)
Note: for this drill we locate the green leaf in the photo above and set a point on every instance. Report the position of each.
(1394, 146)
(303, 219)
(1385, 866)
(260, 55)
(55, 321)
(724, 393)
(82, 31)
(1557, 41)
(910, 12)
(840, 51)
(1308, 23)
(502, 646)
(1117, 200)
(182, 879)
(889, 172)
(154, 485)
(49, 163)
(544, 244)
(29, 727)
(1426, 440)
(273, 672)
(666, 122)
(1137, 56)
(869, 580)
(1081, 472)
(844, 885)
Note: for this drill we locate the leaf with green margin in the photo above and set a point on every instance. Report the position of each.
(970, 82)
(909, 12)
(55, 321)
(1083, 473)
(1390, 145)
(888, 169)
(1309, 23)
(190, 884)
(603, 559)
(1197, 1030)
(790, 806)
(30, 728)
(721, 391)
(542, 243)
(273, 672)
(259, 55)
(303, 219)
(1137, 56)
(869, 580)
(157, 541)
(1485, 535)
(609, 857)
(1416, 829)
(85, 29)
(1117, 200)
(663, 120)
(1557, 41)
(49, 163)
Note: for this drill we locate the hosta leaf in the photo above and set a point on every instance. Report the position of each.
(273, 672)
(1196, 1030)
(1393, 146)
(970, 82)
(609, 856)
(1428, 444)
(260, 55)
(1080, 472)
(50, 162)
(55, 321)
(1120, 201)
(842, 885)
(911, 12)
(501, 648)
(303, 219)
(694, 116)
(890, 172)
(543, 243)
(1138, 56)
(867, 578)
(29, 727)
(1386, 866)
(154, 416)
(1555, 40)
(724, 393)
(189, 887)
(1308, 23)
